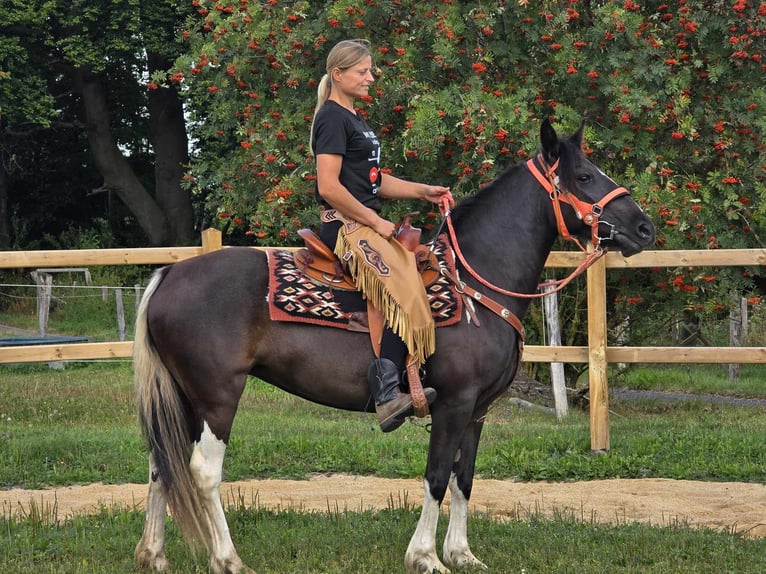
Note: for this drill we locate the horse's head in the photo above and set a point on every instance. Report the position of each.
(598, 208)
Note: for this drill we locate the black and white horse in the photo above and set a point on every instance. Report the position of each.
(204, 326)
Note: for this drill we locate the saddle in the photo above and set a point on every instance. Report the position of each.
(319, 263)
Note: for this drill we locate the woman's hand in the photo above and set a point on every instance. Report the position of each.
(384, 228)
(438, 194)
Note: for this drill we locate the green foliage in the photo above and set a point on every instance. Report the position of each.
(672, 94)
(23, 90)
(47, 47)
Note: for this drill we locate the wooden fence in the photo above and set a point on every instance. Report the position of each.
(597, 354)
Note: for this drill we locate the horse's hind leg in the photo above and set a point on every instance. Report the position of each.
(456, 552)
(150, 551)
(207, 466)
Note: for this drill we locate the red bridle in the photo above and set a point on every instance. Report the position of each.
(589, 213)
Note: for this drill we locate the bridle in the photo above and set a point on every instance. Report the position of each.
(589, 213)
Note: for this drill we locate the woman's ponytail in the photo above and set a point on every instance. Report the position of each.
(323, 92)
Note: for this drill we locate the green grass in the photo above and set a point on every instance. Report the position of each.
(75, 311)
(78, 426)
(353, 542)
(698, 379)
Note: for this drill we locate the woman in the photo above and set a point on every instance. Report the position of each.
(350, 190)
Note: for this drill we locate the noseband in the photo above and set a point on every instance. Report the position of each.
(588, 213)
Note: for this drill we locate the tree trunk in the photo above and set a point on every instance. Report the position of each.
(168, 136)
(112, 165)
(5, 184)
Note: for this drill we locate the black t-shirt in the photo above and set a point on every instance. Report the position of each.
(338, 131)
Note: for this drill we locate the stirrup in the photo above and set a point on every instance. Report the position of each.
(391, 415)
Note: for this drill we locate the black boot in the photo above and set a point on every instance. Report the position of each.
(391, 405)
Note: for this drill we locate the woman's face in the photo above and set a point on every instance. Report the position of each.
(354, 82)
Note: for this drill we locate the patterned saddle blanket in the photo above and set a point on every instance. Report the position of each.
(295, 297)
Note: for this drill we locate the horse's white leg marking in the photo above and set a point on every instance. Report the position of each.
(207, 466)
(150, 550)
(456, 552)
(421, 555)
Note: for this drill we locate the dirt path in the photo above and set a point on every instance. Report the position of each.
(719, 505)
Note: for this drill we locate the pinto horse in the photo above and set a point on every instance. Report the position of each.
(203, 326)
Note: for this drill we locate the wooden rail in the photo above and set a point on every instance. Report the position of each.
(597, 354)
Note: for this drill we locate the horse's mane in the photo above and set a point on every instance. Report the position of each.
(569, 154)
(472, 202)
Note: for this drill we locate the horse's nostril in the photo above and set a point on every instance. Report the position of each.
(646, 230)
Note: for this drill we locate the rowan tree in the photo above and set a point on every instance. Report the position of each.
(672, 93)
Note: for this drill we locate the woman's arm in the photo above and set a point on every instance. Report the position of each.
(334, 193)
(394, 188)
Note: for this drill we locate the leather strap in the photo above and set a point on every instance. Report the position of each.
(589, 213)
(419, 401)
(376, 323)
(503, 312)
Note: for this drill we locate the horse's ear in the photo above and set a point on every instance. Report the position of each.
(550, 141)
(577, 137)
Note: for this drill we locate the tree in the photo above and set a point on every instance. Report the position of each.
(673, 94)
(104, 52)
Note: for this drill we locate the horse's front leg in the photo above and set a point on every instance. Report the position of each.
(446, 436)
(421, 555)
(150, 550)
(456, 551)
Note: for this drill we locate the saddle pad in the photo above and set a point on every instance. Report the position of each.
(295, 297)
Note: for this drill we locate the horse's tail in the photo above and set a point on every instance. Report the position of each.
(168, 423)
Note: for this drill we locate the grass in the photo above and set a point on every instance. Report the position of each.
(78, 426)
(356, 542)
(81, 311)
(695, 379)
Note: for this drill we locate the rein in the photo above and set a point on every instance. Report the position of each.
(588, 213)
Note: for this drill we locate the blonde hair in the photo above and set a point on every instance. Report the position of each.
(344, 55)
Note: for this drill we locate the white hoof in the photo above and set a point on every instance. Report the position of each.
(463, 559)
(425, 564)
(230, 566)
(149, 560)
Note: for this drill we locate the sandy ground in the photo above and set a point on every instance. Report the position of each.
(731, 506)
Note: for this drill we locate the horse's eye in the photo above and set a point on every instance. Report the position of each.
(584, 178)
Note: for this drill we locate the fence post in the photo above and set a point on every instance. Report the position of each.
(737, 329)
(211, 240)
(44, 283)
(558, 379)
(597, 365)
(120, 313)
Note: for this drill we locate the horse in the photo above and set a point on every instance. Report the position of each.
(203, 326)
